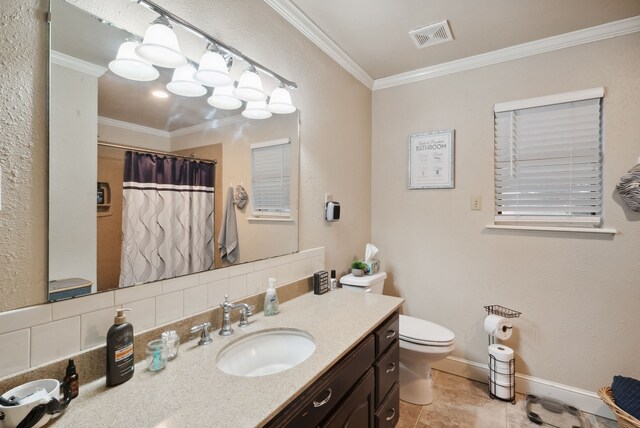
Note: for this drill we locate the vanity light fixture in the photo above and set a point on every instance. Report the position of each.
(250, 86)
(280, 101)
(224, 99)
(183, 83)
(151, 5)
(160, 45)
(213, 69)
(131, 66)
(256, 110)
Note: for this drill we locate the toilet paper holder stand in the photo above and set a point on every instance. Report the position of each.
(499, 368)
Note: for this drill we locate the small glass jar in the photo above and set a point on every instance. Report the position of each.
(157, 353)
(172, 340)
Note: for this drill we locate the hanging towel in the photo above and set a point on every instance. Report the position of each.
(228, 239)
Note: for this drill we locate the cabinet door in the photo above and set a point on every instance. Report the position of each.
(357, 410)
(324, 396)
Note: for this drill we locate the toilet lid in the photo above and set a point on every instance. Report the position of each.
(424, 332)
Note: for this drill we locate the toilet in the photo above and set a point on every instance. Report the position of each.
(421, 343)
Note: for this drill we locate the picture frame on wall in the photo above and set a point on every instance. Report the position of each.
(432, 160)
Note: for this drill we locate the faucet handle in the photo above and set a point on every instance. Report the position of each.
(245, 312)
(205, 338)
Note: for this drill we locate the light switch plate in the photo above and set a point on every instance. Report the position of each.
(476, 203)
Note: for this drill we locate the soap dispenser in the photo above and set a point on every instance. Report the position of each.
(271, 299)
(120, 350)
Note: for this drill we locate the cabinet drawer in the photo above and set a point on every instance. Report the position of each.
(388, 414)
(387, 371)
(387, 333)
(320, 399)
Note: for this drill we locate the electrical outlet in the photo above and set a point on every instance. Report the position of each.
(476, 203)
(328, 197)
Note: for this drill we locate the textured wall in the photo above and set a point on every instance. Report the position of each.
(335, 132)
(23, 153)
(578, 293)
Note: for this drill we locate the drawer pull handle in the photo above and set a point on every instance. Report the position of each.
(393, 367)
(390, 334)
(393, 414)
(323, 402)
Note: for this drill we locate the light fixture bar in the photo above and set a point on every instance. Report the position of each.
(198, 32)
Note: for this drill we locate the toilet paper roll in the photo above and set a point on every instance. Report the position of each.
(500, 378)
(498, 327)
(502, 354)
(502, 391)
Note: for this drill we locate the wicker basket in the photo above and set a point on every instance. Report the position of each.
(624, 419)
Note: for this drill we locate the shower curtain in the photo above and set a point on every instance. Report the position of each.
(167, 218)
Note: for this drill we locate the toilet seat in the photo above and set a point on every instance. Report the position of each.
(424, 333)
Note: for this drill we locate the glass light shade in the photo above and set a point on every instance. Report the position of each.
(160, 47)
(280, 102)
(213, 70)
(183, 84)
(250, 87)
(130, 66)
(256, 110)
(224, 99)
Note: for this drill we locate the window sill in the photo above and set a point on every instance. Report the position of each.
(554, 229)
(270, 219)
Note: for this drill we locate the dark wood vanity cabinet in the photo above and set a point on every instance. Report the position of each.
(361, 390)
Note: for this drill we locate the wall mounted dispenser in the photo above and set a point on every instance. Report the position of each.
(332, 211)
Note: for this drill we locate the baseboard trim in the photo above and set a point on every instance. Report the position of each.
(587, 401)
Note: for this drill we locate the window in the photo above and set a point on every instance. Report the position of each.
(271, 178)
(548, 160)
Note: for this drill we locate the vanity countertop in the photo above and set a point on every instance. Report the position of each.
(192, 391)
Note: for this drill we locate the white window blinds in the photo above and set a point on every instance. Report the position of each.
(271, 178)
(548, 162)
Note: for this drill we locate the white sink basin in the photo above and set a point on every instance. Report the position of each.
(266, 352)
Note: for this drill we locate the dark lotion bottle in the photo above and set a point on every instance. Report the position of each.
(72, 379)
(119, 350)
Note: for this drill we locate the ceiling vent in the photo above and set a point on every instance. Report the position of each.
(431, 34)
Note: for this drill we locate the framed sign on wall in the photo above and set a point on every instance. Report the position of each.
(431, 160)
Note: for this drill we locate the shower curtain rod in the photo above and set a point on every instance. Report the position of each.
(157, 152)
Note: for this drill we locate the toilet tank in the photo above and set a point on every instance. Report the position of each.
(367, 283)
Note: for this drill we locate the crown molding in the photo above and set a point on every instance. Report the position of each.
(77, 64)
(133, 127)
(205, 126)
(562, 41)
(299, 20)
(128, 126)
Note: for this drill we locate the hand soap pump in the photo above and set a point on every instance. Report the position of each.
(120, 350)
(271, 299)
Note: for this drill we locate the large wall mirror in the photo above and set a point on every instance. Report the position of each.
(145, 184)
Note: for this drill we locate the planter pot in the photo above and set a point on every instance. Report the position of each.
(357, 272)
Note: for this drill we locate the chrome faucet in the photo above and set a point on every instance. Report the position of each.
(245, 313)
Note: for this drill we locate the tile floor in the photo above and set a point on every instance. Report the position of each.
(462, 403)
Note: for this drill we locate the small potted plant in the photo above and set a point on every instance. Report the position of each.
(357, 268)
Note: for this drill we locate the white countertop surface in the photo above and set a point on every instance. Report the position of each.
(191, 391)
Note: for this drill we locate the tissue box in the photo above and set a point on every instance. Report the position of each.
(373, 266)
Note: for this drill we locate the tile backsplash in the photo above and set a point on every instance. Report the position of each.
(38, 335)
